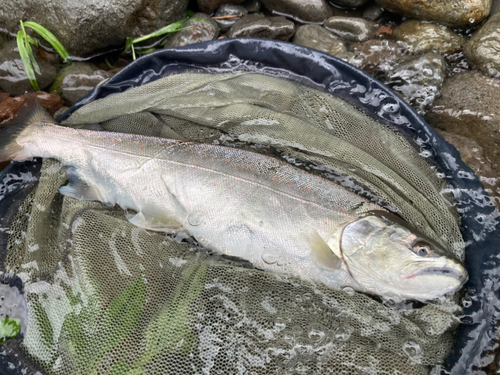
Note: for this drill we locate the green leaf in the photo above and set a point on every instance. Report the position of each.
(122, 315)
(172, 28)
(49, 37)
(170, 330)
(9, 328)
(38, 314)
(26, 59)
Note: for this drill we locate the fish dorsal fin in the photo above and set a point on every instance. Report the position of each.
(323, 254)
(150, 217)
(80, 189)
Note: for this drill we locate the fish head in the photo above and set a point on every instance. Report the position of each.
(387, 258)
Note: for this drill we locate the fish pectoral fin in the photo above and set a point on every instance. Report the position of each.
(323, 254)
(79, 189)
(155, 220)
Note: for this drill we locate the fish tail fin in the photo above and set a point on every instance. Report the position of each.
(31, 112)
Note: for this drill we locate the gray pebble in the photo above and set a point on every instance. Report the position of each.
(419, 81)
(424, 37)
(372, 12)
(229, 10)
(454, 13)
(78, 81)
(351, 29)
(13, 78)
(316, 11)
(253, 6)
(483, 49)
(259, 26)
(200, 28)
(349, 3)
(317, 37)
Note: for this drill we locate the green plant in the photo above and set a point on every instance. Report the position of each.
(24, 42)
(172, 28)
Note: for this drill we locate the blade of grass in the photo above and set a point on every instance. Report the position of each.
(25, 58)
(49, 37)
(172, 28)
(31, 55)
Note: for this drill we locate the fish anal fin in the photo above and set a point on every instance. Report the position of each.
(150, 217)
(80, 189)
(323, 254)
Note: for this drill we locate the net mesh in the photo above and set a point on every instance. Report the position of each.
(106, 297)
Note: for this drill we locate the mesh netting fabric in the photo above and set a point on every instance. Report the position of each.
(303, 122)
(107, 297)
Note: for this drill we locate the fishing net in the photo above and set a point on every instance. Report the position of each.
(106, 297)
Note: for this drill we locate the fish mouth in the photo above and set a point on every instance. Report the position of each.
(458, 273)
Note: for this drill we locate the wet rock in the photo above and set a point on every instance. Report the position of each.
(348, 3)
(377, 57)
(76, 86)
(229, 10)
(317, 37)
(76, 81)
(3, 96)
(200, 28)
(253, 6)
(259, 26)
(13, 78)
(86, 25)
(351, 29)
(372, 12)
(470, 151)
(75, 68)
(483, 49)
(209, 6)
(3, 40)
(9, 106)
(425, 37)
(469, 106)
(454, 13)
(308, 11)
(419, 81)
(475, 157)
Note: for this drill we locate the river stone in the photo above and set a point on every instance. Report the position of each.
(317, 37)
(454, 13)
(253, 6)
(376, 57)
(76, 81)
(75, 68)
(13, 78)
(483, 49)
(3, 40)
(372, 12)
(351, 29)
(470, 151)
(259, 26)
(316, 11)
(200, 28)
(229, 10)
(469, 106)
(84, 26)
(209, 6)
(425, 37)
(348, 3)
(419, 81)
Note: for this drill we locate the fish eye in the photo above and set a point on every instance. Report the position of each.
(422, 249)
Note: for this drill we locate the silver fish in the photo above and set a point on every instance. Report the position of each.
(242, 204)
